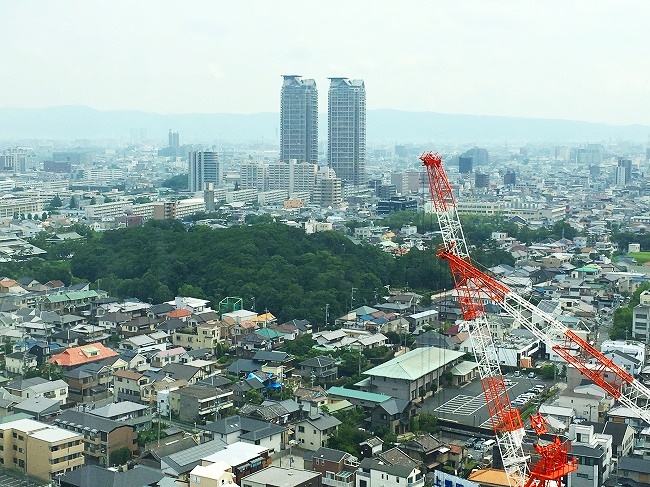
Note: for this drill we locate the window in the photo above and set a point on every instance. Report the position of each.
(197, 479)
(301, 429)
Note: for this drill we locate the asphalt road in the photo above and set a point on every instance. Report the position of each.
(466, 405)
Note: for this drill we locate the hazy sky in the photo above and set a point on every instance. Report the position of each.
(582, 60)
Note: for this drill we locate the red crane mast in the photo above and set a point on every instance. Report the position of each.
(472, 290)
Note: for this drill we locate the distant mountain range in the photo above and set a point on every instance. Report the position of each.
(383, 126)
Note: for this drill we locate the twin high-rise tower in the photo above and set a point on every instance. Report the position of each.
(346, 125)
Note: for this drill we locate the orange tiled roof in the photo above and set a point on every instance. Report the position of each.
(83, 354)
(179, 313)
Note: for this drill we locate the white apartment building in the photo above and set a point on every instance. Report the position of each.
(628, 347)
(11, 205)
(641, 318)
(111, 209)
(594, 454)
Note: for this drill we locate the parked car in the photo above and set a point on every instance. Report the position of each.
(507, 382)
(531, 375)
(517, 373)
(470, 443)
(479, 444)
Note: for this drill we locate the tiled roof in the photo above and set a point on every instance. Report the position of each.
(82, 355)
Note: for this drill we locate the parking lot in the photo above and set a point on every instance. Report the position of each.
(9, 481)
(466, 405)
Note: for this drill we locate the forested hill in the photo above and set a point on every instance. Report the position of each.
(291, 274)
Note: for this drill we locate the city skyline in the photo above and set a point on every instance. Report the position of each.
(573, 61)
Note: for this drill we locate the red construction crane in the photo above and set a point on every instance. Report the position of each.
(506, 420)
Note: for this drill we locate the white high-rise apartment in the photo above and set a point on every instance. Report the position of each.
(298, 120)
(346, 126)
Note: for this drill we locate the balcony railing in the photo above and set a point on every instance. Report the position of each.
(337, 483)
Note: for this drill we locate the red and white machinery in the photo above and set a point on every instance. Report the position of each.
(473, 287)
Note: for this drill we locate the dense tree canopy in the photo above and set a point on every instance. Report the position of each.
(279, 268)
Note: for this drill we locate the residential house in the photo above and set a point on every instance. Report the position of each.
(127, 412)
(433, 453)
(140, 325)
(179, 464)
(204, 335)
(75, 301)
(622, 436)
(38, 387)
(243, 459)
(128, 385)
(374, 473)
(40, 450)
(371, 447)
(313, 432)
(183, 372)
(251, 383)
(319, 370)
(393, 414)
(20, 362)
(248, 430)
(153, 452)
(101, 437)
(287, 477)
(85, 354)
(199, 404)
(213, 475)
(164, 357)
(144, 343)
(280, 364)
(313, 398)
(338, 468)
(39, 408)
(278, 412)
(633, 472)
(89, 383)
(593, 452)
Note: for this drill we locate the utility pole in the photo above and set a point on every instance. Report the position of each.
(327, 314)
(352, 297)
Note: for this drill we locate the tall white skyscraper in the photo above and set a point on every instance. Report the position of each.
(346, 127)
(204, 167)
(298, 120)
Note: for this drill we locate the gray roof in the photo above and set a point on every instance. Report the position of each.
(270, 356)
(117, 409)
(71, 417)
(587, 451)
(249, 428)
(180, 371)
(397, 470)
(323, 422)
(22, 384)
(184, 461)
(320, 361)
(394, 406)
(634, 464)
(93, 475)
(215, 381)
(242, 366)
(37, 405)
(282, 476)
(330, 454)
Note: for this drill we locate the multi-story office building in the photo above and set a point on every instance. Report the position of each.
(299, 120)
(204, 167)
(40, 450)
(346, 128)
(465, 164)
(14, 160)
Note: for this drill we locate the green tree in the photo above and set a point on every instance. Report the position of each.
(415, 424)
(121, 456)
(254, 397)
(428, 422)
(176, 183)
(548, 371)
(56, 202)
(73, 202)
